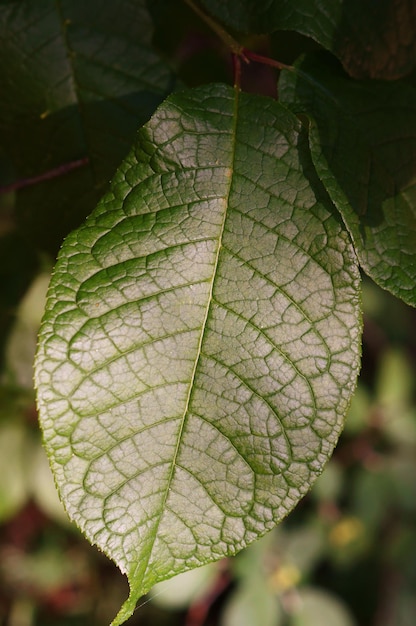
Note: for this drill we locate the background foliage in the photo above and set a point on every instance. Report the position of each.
(345, 556)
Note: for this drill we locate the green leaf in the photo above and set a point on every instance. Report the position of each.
(13, 480)
(78, 79)
(22, 340)
(318, 607)
(191, 587)
(254, 604)
(201, 339)
(372, 39)
(18, 265)
(363, 144)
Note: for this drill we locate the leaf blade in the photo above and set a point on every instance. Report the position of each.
(201, 340)
(78, 81)
(376, 42)
(363, 148)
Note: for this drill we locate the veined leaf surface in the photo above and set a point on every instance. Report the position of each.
(371, 39)
(363, 144)
(201, 340)
(78, 79)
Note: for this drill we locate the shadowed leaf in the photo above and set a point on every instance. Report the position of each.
(363, 144)
(78, 79)
(372, 39)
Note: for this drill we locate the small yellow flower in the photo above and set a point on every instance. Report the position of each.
(285, 577)
(346, 531)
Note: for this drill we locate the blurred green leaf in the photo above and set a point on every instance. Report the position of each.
(395, 381)
(318, 607)
(402, 470)
(299, 548)
(186, 588)
(252, 604)
(358, 415)
(372, 39)
(372, 496)
(18, 266)
(329, 484)
(21, 345)
(201, 339)
(249, 565)
(363, 145)
(13, 480)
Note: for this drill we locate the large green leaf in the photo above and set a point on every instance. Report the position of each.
(363, 144)
(201, 340)
(78, 79)
(372, 39)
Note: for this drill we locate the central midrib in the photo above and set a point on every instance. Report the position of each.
(141, 566)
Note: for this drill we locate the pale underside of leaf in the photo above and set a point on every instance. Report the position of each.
(201, 340)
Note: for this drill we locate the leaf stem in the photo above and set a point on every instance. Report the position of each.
(259, 58)
(53, 173)
(239, 53)
(236, 70)
(235, 47)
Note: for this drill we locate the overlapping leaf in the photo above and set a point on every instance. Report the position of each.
(372, 39)
(363, 144)
(201, 339)
(78, 79)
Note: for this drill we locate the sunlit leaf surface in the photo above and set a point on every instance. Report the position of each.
(201, 339)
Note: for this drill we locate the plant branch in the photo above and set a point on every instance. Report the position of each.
(236, 70)
(259, 58)
(235, 47)
(239, 53)
(54, 173)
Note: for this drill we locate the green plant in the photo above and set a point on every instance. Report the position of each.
(201, 339)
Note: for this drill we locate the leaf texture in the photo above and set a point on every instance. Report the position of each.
(201, 340)
(363, 144)
(78, 79)
(371, 39)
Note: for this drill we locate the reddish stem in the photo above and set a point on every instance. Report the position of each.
(61, 170)
(238, 51)
(236, 70)
(259, 58)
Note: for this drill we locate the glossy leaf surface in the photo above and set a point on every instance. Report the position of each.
(201, 340)
(363, 144)
(372, 39)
